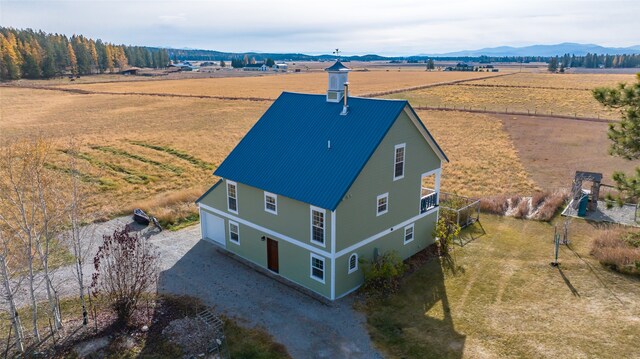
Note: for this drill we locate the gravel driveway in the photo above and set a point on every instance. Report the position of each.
(308, 328)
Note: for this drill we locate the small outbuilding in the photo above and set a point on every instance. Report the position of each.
(130, 71)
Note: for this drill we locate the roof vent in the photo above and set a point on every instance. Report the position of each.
(345, 108)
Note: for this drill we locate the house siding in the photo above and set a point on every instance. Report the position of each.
(357, 218)
(423, 236)
(356, 215)
(292, 220)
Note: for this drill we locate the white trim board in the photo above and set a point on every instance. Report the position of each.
(310, 248)
(333, 255)
(267, 231)
(384, 233)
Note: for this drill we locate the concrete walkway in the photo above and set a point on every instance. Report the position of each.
(308, 328)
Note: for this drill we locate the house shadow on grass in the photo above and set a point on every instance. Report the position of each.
(417, 321)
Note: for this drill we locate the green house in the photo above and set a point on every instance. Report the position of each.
(322, 182)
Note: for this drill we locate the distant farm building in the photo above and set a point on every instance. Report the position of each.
(255, 67)
(130, 71)
(280, 67)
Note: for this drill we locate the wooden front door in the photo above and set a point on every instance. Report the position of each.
(272, 255)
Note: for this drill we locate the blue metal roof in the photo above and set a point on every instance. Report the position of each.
(286, 152)
(338, 66)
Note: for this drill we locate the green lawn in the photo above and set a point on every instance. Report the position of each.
(509, 302)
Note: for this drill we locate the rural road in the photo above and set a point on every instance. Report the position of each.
(189, 266)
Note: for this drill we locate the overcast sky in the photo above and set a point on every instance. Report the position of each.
(387, 27)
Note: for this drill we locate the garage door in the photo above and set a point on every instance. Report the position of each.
(212, 228)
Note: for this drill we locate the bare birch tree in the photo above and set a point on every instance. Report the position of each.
(79, 237)
(30, 211)
(11, 284)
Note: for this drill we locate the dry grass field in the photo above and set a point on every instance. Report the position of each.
(482, 157)
(362, 82)
(581, 81)
(548, 101)
(153, 152)
(552, 149)
(159, 152)
(508, 302)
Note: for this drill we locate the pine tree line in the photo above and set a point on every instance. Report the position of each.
(604, 60)
(33, 55)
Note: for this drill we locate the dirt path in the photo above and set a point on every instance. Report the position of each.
(529, 114)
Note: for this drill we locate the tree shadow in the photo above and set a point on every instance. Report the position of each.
(417, 321)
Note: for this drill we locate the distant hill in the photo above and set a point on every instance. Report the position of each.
(543, 50)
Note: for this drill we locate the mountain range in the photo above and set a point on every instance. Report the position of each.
(542, 50)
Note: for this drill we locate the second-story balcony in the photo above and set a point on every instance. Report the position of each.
(428, 200)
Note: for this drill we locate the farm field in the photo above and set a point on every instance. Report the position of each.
(560, 81)
(507, 301)
(136, 150)
(158, 153)
(552, 149)
(362, 82)
(483, 160)
(536, 100)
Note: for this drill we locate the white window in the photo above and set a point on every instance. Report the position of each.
(232, 197)
(398, 162)
(317, 225)
(271, 203)
(353, 263)
(234, 232)
(317, 268)
(408, 233)
(382, 204)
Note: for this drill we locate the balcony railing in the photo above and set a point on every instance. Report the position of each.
(429, 201)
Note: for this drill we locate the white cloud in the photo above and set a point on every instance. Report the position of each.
(374, 26)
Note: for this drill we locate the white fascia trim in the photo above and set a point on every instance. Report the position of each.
(384, 233)
(333, 255)
(275, 197)
(386, 209)
(267, 231)
(404, 160)
(430, 141)
(324, 267)
(238, 232)
(324, 226)
(227, 183)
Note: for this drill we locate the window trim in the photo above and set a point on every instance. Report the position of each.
(404, 160)
(234, 184)
(354, 269)
(275, 197)
(413, 233)
(232, 223)
(324, 266)
(386, 210)
(324, 225)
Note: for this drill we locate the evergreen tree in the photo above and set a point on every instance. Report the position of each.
(625, 135)
(431, 65)
(222, 63)
(269, 62)
(553, 64)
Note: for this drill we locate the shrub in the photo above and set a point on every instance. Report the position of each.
(495, 205)
(538, 198)
(382, 275)
(551, 205)
(126, 268)
(619, 250)
(522, 210)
